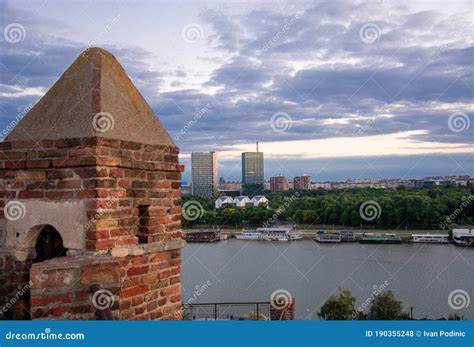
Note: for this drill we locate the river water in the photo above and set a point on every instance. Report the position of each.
(422, 276)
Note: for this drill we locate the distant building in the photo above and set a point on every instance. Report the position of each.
(278, 183)
(252, 167)
(204, 173)
(186, 189)
(231, 185)
(224, 201)
(302, 182)
(240, 201)
(259, 200)
(323, 185)
(221, 181)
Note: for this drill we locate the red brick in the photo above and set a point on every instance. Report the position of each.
(171, 291)
(12, 155)
(86, 194)
(15, 164)
(52, 153)
(82, 152)
(59, 195)
(139, 270)
(45, 299)
(106, 161)
(40, 185)
(72, 162)
(138, 300)
(58, 174)
(69, 184)
(134, 290)
(30, 175)
(38, 164)
(116, 173)
(69, 142)
(31, 195)
(164, 274)
(119, 232)
(16, 185)
(176, 298)
(86, 172)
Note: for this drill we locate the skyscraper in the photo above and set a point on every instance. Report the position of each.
(204, 172)
(252, 167)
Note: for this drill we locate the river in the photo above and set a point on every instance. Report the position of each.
(422, 276)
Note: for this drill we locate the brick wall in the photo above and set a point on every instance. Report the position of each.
(14, 287)
(131, 198)
(285, 312)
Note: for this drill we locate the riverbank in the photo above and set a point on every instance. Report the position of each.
(309, 233)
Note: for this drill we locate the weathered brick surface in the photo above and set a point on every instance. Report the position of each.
(114, 179)
(283, 312)
(14, 287)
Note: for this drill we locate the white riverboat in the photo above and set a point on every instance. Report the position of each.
(327, 237)
(463, 237)
(429, 238)
(270, 234)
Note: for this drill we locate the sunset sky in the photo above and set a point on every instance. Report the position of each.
(334, 89)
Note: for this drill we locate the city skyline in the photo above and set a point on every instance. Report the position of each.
(335, 89)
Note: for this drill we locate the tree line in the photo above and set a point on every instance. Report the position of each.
(411, 208)
(383, 306)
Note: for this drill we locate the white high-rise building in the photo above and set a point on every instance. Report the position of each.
(204, 172)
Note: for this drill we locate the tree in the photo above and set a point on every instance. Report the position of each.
(339, 307)
(386, 307)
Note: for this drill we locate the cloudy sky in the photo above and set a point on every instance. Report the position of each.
(337, 90)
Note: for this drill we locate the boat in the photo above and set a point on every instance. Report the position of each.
(463, 237)
(270, 234)
(348, 236)
(429, 238)
(380, 238)
(327, 237)
(210, 235)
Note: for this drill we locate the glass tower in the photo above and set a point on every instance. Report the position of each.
(252, 168)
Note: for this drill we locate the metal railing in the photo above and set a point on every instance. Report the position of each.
(252, 310)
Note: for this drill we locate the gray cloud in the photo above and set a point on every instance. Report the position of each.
(306, 60)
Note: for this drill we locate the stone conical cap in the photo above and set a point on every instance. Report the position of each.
(93, 97)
